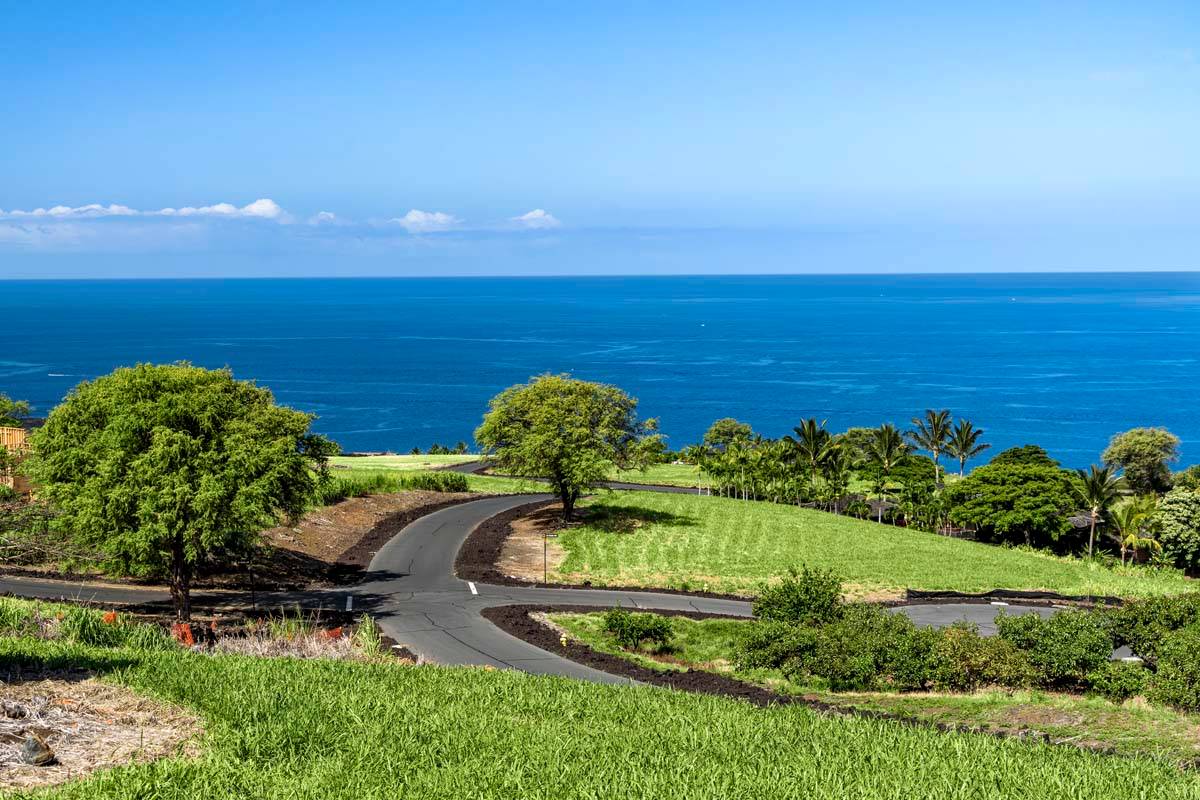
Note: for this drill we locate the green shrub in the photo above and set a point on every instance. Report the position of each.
(770, 645)
(368, 636)
(1177, 681)
(1063, 648)
(1118, 680)
(1143, 624)
(631, 630)
(962, 661)
(863, 648)
(809, 596)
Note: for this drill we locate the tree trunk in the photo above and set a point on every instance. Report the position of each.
(181, 582)
(1092, 535)
(568, 503)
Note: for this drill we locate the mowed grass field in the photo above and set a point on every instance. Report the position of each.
(402, 462)
(720, 544)
(282, 729)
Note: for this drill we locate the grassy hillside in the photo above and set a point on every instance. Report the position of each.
(688, 541)
(304, 730)
(400, 461)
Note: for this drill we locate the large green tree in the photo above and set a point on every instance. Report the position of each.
(161, 467)
(725, 432)
(1143, 454)
(1178, 528)
(11, 411)
(1028, 503)
(568, 431)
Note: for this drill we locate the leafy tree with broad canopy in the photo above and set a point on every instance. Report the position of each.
(1178, 520)
(724, 432)
(568, 431)
(1017, 502)
(11, 411)
(1143, 454)
(162, 467)
(1029, 455)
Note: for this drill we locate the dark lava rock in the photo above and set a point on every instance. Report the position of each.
(35, 751)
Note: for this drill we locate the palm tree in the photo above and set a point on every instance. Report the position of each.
(812, 442)
(964, 443)
(931, 434)
(836, 472)
(697, 455)
(886, 449)
(1133, 525)
(1098, 489)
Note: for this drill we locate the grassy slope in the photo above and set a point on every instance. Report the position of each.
(486, 484)
(661, 474)
(400, 461)
(299, 730)
(730, 545)
(1133, 728)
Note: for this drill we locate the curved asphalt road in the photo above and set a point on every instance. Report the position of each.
(418, 601)
(411, 590)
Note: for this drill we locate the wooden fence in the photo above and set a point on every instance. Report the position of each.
(13, 440)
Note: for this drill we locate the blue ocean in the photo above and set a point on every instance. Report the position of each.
(388, 364)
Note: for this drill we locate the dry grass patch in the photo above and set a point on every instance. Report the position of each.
(89, 725)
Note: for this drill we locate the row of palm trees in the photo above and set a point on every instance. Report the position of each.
(814, 465)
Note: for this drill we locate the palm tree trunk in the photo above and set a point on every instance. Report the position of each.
(1092, 535)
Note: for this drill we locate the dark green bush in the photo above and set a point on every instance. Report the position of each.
(770, 645)
(1118, 680)
(808, 596)
(631, 630)
(868, 648)
(1063, 648)
(1177, 680)
(962, 661)
(1143, 624)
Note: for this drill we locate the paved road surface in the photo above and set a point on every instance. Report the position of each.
(411, 590)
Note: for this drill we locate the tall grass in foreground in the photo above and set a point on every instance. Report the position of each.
(322, 729)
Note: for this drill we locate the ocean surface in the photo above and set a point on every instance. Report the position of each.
(1059, 360)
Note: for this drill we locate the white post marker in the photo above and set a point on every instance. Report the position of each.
(349, 602)
(471, 584)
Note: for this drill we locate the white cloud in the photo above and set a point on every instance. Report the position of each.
(538, 218)
(263, 208)
(323, 218)
(417, 221)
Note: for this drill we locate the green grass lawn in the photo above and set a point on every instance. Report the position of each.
(484, 484)
(661, 474)
(400, 461)
(1134, 728)
(693, 542)
(282, 729)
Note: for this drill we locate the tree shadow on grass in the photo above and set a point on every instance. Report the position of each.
(22, 661)
(611, 519)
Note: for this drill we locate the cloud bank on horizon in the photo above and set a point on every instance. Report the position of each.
(113, 227)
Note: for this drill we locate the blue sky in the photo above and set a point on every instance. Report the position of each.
(560, 138)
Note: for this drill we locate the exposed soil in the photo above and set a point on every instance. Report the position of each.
(89, 725)
(527, 553)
